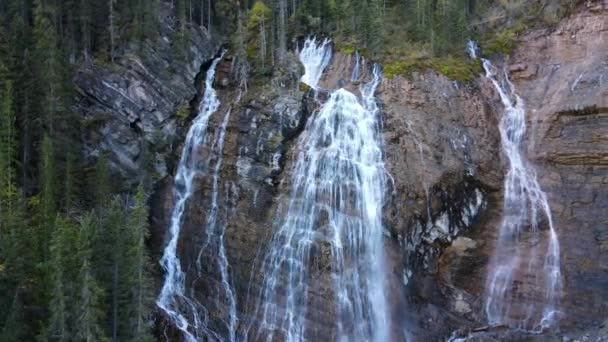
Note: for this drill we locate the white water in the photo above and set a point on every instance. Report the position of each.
(338, 187)
(315, 56)
(527, 254)
(183, 310)
(215, 234)
(356, 74)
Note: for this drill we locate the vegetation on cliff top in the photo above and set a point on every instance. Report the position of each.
(398, 33)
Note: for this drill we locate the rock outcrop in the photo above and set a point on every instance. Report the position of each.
(142, 100)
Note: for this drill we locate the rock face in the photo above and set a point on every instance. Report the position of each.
(442, 149)
(132, 104)
(560, 75)
(567, 106)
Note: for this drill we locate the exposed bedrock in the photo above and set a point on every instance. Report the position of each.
(441, 146)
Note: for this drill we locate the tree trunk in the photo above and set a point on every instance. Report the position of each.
(115, 302)
(112, 38)
(282, 33)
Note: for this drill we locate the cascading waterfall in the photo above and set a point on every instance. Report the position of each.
(315, 56)
(183, 310)
(215, 233)
(338, 187)
(523, 250)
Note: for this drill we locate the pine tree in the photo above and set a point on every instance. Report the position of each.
(14, 329)
(48, 186)
(282, 30)
(112, 28)
(63, 265)
(138, 270)
(110, 247)
(49, 62)
(100, 183)
(259, 17)
(7, 144)
(90, 312)
(86, 29)
(70, 193)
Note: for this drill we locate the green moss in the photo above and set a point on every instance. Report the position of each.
(404, 67)
(347, 48)
(456, 68)
(275, 141)
(502, 42)
(183, 112)
(304, 87)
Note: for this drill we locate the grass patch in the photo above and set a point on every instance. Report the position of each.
(502, 42)
(461, 69)
(349, 46)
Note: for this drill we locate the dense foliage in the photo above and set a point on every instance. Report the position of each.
(74, 265)
(409, 34)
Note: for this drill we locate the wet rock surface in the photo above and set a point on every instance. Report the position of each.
(567, 112)
(442, 150)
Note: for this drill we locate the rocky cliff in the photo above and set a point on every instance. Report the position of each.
(442, 149)
(142, 100)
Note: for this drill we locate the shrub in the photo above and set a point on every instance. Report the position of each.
(456, 68)
(183, 112)
(502, 42)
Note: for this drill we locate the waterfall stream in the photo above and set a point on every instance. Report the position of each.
(180, 305)
(356, 74)
(334, 212)
(526, 261)
(315, 56)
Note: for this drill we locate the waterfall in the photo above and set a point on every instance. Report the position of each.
(215, 233)
(315, 56)
(334, 213)
(357, 68)
(473, 49)
(183, 310)
(527, 246)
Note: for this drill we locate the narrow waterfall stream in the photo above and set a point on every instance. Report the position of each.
(334, 212)
(359, 62)
(215, 230)
(527, 254)
(176, 300)
(315, 56)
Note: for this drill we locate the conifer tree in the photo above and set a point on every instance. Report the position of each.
(16, 258)
(100, 183)
(7, 144)
(63, 265)
(259, 18)
(111, 244)
(49, 63)
(138, 270)
(48, 186)
(89, 317)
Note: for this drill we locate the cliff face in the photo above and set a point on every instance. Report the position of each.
(562, 76)
(133, 103)
(441, 147)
